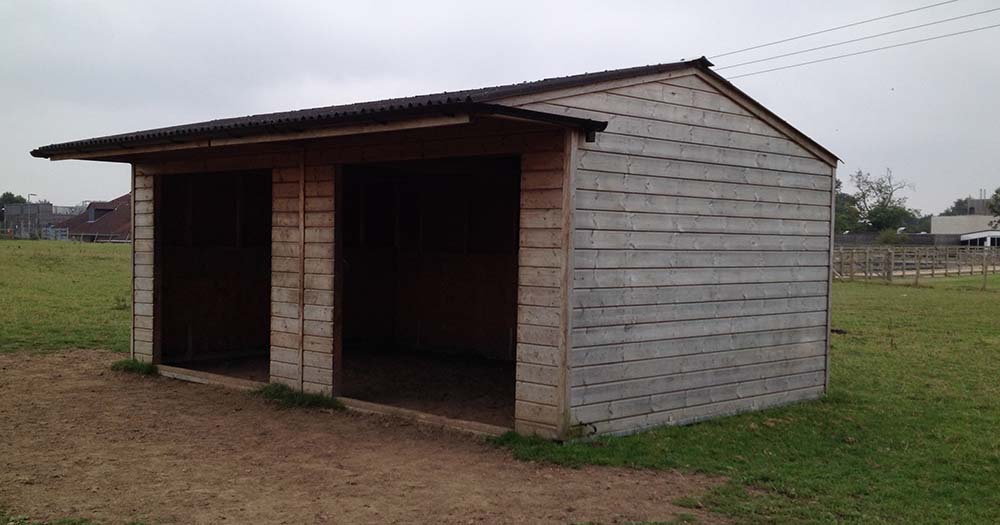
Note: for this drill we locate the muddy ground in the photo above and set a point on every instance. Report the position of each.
(77, 440)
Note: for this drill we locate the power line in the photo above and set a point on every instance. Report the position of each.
(867, 51)
(883, 17)
(853, 40)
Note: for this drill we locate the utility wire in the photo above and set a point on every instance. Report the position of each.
(853, 40)
(800, 64)
(883, 17)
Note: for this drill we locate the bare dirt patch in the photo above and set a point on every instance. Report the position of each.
(78, 440)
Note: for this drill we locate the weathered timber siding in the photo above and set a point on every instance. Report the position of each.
(143, 347)
(543, 279)
(700, 261)
(302, 278)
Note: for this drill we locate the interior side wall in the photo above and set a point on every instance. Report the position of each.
(701, 266)
(302, 278)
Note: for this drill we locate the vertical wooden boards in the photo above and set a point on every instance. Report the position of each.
(143, 281)
(302, 277)
(543, 274)
(701, 257)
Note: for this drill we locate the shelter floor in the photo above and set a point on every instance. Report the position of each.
(458, 387)
(466, 388)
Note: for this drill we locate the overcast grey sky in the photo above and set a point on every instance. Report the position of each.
(76, 69)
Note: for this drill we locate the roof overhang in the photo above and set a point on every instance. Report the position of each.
(210, 136)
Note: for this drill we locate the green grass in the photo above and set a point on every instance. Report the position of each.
(908, 433)
(286, 397)
(60, 295)
(134, 366)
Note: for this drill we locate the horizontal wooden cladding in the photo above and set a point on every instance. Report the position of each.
(615, 109)
(640, 203)
(616, 335)
(538, 296)
(642, 351)
(143, 194)
(686, 151)
(597, 161)
(538, 315)
(613, 103)
(538, 335)
(538, 354)
(663, 384)
(700, 403)
(541, 219)
(544, 277)
(541, 199)
(655, 295)
(542, 179)
(661, 222)
(614, 240)
(703, 412)
(610, 259)
(648, 369)
(541, 238)
(683, 96)
(635, 277)
(650, 185)
(633, 315)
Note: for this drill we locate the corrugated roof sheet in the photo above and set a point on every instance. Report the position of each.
(389, 109)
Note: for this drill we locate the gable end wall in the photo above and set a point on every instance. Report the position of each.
(701, 258)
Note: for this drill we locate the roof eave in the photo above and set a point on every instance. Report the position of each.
(409, 118)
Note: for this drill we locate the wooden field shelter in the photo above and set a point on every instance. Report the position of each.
(583, 255)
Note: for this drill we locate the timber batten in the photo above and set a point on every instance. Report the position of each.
(672, 259)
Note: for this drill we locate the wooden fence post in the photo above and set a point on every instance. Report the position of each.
(868, 263)
(891, 264)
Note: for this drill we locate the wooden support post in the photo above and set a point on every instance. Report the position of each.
(868, 263)
(851, 271)
(891, 265)
(986, 254)
(917, 259)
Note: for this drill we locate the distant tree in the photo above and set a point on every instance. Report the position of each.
(848, 217)
(918, 223)
(9, 198)
(960, 207)
(994, 206)
(878, 200)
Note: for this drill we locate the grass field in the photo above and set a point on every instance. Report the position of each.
(58, 295)
(908, 434)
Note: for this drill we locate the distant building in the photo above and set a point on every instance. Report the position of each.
(102, 221)
(960, 224)
(30, 220)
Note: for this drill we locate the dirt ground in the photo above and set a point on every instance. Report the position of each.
(77, 440)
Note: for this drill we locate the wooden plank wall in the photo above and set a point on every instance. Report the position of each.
(541, 397)
(302, 264)
(541, 406)
(701, 259)
(143, 348)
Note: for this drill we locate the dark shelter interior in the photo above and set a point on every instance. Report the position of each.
(430, 285)
(213, 254)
